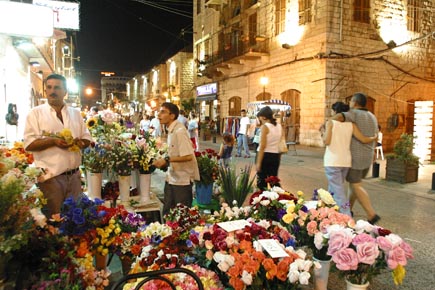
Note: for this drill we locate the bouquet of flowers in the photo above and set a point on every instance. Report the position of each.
(19, 204)
(20, 157)
(121, 157)
(207, 165)
(271, 205)
(148, 149)
(104, 127)
(80, 216)
(362, 252)
(95, 157)
(208, 278)
(66, 135)
(181, 218)
(61, 262)
(132, 238)
(240, 262)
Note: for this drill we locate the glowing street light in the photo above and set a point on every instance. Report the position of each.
(89, 91)
(264, 81)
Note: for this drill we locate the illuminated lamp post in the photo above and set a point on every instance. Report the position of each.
(264, 81)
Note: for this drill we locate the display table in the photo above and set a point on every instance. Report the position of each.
(151, 211)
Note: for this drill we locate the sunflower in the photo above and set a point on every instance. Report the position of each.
(91, 122)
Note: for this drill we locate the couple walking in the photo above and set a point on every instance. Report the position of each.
(350, 137)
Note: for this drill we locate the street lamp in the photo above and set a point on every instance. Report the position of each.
(264, 81)
(88, 91)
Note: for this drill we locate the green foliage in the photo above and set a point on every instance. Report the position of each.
(188, 104)
(403, 150)
(235, 187)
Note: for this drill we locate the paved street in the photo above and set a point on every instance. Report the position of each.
(406, 209)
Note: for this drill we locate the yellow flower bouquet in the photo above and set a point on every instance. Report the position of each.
(66, 135)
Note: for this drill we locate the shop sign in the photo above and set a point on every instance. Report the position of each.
(208, 89)
(65, 14)
(27, 20)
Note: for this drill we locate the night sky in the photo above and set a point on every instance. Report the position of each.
(128, 36)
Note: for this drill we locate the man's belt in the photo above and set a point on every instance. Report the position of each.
(70, 172)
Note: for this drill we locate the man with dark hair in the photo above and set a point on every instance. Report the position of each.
(61, 166)
(181, 160)
(242, 135)
(362, 154)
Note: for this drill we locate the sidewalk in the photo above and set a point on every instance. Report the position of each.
(310, 159)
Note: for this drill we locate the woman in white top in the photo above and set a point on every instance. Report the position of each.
(268, 157)
(192, 128)
(338, 159)
(145, 124)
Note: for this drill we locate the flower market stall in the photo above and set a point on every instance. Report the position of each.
(274, 240)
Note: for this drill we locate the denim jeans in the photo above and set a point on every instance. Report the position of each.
(336, 185)
(242, 140)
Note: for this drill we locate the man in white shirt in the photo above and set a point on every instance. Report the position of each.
(182, 119)
(61, 166)
(242, 135)
(155, 126)
(181, 161)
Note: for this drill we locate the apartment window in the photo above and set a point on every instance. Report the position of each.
(279, 16)
(415, 9)
(361, 11)
(304, 11)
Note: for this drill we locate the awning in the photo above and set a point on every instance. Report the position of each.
(206, 98)
(275, 105)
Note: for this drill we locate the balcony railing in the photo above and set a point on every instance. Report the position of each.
(239, 50)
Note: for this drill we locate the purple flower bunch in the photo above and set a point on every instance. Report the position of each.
(80, 216)
(132, 222)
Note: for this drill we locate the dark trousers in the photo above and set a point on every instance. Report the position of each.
(174, 194)
(269, 167)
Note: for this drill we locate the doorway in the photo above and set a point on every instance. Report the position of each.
(293, 98)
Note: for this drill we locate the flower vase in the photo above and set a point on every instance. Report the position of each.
(351, 286)
(124, 187)
(204, 193)
(321, 275)
(95, 181)
(144, 188)
(134, 178)
(100, 261)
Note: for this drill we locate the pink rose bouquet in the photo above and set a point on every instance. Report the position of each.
(362, 252)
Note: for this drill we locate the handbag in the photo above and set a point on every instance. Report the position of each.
(282, 146)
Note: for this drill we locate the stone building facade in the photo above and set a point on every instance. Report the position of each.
(168, 81)
(315, 53)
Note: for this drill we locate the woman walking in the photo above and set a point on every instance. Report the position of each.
(338, 159)
(268, 157)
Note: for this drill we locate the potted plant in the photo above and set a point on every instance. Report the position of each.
(208, 171)
(402, 165)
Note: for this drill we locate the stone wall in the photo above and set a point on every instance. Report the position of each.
(335, 58)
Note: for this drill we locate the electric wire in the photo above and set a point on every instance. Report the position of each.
(161, 7)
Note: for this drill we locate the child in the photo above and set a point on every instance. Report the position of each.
(226, 149)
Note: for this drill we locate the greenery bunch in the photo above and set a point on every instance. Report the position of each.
(403, 150)
(235, 187)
